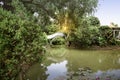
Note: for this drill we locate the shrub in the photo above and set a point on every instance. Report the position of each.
(58, 41)
(85, 35)
(21, 42)
(106, 35)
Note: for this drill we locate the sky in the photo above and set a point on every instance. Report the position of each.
(108, 11)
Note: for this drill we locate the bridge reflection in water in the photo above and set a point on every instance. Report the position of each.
(103, 63)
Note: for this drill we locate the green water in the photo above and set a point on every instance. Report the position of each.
(60, 62)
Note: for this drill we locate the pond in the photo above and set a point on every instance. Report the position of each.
(73, 64)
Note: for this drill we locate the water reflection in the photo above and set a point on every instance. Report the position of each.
(36, 72)
(107, 75)
(57, 70)
(119, 60)
(105, 65)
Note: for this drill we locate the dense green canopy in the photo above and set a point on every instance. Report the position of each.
(52, 8)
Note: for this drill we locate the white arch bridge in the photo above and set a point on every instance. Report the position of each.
(54, 36)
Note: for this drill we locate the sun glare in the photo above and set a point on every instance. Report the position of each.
(64, 29)
(67, 24)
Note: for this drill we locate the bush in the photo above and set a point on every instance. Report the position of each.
(106, 36)
(50, 29)
(85, 35)
(21, 42)
(89, 33)
(58, 41)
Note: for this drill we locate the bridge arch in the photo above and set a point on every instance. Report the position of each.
(54, 36)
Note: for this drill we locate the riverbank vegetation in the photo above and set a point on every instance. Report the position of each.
(92, 34)
(24, 25)
(21, 41)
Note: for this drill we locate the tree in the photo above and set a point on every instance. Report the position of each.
(64, 13)
(58, 9)
(113, 25)
(93, 21)
(21, 41)
(87, 33)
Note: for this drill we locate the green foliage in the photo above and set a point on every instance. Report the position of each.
(93, 21)
(58, 8)
(21, 41)
(58, 41)
(102, 41)
(89, 32)
(50, 29)
(85, 35)
(107, 35)
(19, 9)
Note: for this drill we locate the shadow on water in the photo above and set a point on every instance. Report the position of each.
(71, 64)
